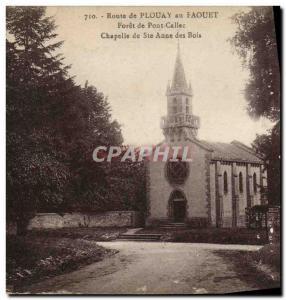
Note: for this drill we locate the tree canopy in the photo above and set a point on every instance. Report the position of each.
(53, 126)
(256, 42)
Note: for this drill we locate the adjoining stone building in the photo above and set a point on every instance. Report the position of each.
(216, 187)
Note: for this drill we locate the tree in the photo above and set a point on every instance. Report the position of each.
(37, 65)
(88, 125)
(255, 42)
(268, 146)
(53, 126)
(36, 78)
(127, 184)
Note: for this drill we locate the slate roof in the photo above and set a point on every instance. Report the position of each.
(234, 151)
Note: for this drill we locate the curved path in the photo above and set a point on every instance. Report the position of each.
(157, 268)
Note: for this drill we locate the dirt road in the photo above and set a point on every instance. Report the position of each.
(157, 268)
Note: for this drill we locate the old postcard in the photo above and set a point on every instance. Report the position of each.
(143, 150)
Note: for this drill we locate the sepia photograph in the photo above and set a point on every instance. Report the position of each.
(143, 150)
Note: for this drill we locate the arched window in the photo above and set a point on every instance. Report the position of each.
(174, 105)
(187, 106)
(254, 183)
(240, 182)
(225, 186)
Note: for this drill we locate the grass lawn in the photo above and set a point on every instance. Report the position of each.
(86, 233)
(269, 255)
(46, 253)
(265, 263)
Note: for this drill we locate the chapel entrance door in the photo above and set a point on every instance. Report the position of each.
(179, 210)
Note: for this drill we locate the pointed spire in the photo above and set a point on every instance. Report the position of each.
(179, 79)
(168, 87)
(190, 87)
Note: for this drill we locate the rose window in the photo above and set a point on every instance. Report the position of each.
(177, 171)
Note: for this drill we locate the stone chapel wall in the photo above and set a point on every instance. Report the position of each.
(236, 197)
(256, 195)
(242, 198)
(227, 195)
(213, 194)
(194, 188)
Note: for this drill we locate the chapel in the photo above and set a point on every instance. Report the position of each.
(216, 186)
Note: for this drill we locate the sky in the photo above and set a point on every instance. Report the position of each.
(133, 73)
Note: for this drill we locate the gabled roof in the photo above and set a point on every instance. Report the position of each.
(234, 151)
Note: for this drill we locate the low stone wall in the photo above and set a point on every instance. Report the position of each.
(106, 219)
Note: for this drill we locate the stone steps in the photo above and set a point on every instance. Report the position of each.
(140, 237)
(174, 226)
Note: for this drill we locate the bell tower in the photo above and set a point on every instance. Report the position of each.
(180, 123)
